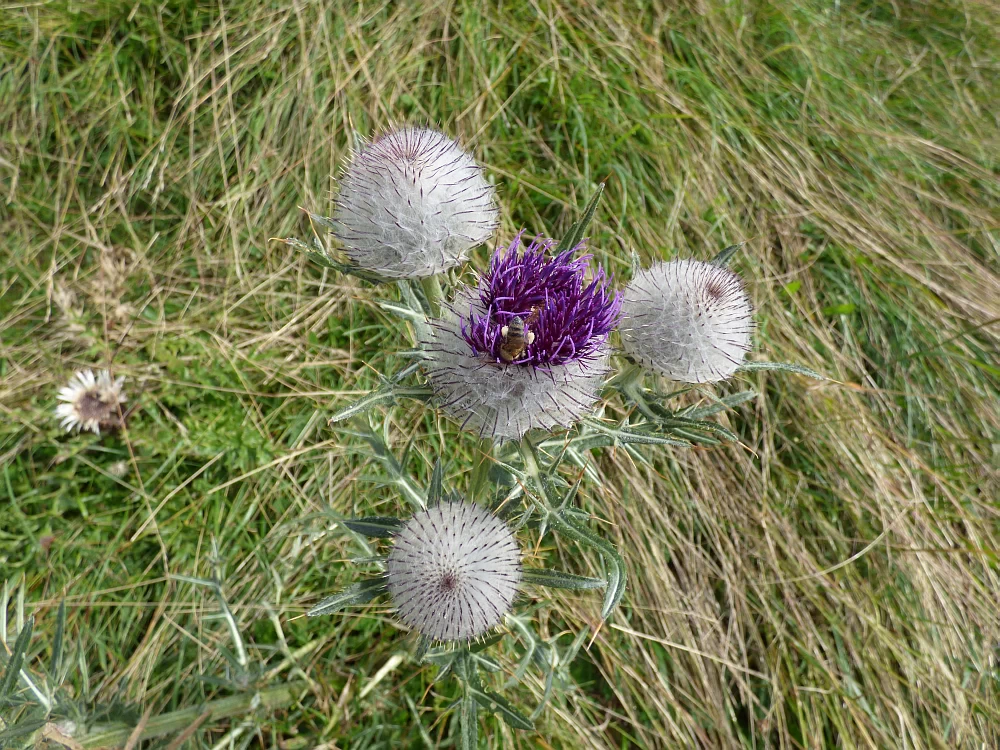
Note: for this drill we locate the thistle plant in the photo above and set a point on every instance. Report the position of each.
(520, 358)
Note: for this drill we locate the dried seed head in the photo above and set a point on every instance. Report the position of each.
(90, 402)
(551, 376)
(453, 571)
(688, 320)
(413, 203)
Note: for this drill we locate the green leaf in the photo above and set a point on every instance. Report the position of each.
(572, 239)
(497, 704)
(385, 395)
(378, 527)
(487, 663)
(565, 524)
(375, 398)
(57, 640)
(486, 642)
(21, 729)
(360, 593)
(469, 722)
(691, 427)
(726, 402)
(781, 367)
(435, 490)
(10, 674)
(400, 310)
(723, 258)
(623, 435)
(557, 579)
(843, 309)
(324, 221)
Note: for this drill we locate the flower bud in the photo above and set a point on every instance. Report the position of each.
(412, 203)
(453, 571)
(688, 320)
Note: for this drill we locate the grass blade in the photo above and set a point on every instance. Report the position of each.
(16, 659)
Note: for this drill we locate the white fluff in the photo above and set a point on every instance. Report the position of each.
(505, 401)
(688, 320)
(91, 401)
(453, 571)
(412, 204)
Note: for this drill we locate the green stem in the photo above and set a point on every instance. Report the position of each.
(432, 288)
(481, 468)
(176, 721)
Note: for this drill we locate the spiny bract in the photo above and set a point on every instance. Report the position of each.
(453, 571)
(412, 203)
(686, 319)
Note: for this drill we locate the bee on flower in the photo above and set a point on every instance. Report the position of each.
(528, 347)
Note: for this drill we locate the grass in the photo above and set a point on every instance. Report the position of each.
(832, 582)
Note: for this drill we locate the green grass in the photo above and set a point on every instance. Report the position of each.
(833, 582)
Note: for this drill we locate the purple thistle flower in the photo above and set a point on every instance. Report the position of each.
(552, 377)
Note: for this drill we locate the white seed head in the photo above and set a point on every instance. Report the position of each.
(412, 203)
(91, 402)
(689, 320)
(453, 571)
(504, 402)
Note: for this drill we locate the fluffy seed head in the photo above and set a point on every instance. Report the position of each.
(412, 203)
(453, 571)
(688, 320)
(501, 387)
(91, 402)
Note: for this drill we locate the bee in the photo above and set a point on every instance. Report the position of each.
(516, 337)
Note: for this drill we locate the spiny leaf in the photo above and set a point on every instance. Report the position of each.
(557, 579)
(497, 704)
(360, 593)
(400, 310)
(723, 258)
(623, 435)
(567, 525)
(722, 404)
(378, 527)
(387, 394)
(576, 232)
(781, 367)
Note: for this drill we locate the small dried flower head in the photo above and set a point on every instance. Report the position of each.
(91, 402)
(688, 320)
(526, 349)
(413, 203)
(453, 571)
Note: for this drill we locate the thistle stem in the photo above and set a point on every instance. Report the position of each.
(432, 288)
